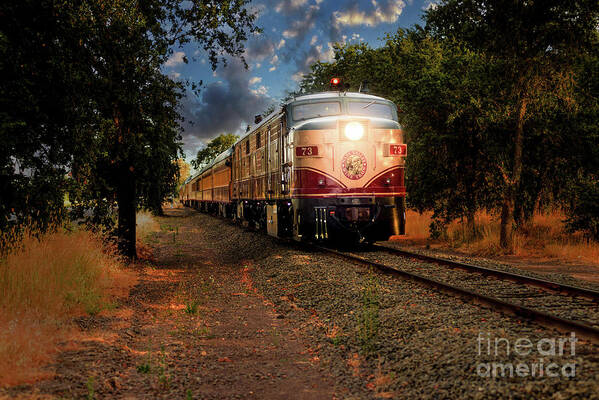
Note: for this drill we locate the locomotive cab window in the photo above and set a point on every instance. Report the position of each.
(371, 109)
(315, 110)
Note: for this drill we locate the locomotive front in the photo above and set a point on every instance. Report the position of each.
(348, 162)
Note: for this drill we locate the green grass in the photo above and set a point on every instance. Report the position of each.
(191, 307)
(368, 317)
(144, 368)
(90, 388)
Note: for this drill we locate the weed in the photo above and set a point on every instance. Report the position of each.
(337, 340)
(175, 234)
(368, 317)
(144, 368)
(204, 333)
(90, 388)
(188, 395)
(179, 253)
(275, 336)
(207, 285)
(191, 307)
(163, 375)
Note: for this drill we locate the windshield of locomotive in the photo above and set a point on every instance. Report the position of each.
(314, 110)
(372, 109)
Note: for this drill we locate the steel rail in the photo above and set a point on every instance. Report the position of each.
(548, 320)
(529, 280)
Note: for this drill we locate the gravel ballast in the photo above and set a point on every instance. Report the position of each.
(381, 337)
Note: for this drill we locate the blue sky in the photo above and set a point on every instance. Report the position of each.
(296, 33)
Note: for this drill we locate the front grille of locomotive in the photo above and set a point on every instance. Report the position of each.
(354, 214)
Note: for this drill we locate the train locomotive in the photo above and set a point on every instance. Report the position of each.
(323, 167)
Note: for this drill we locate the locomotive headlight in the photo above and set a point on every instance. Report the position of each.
(354, 131)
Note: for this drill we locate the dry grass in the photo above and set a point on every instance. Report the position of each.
(417, 225)
(146, 224)
(44, 282)
(545, 237)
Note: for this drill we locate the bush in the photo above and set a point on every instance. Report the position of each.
(45, 280)
(583, 215)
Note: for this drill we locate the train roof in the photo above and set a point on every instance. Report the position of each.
(218, 159)
(326, 95)
(272, 115)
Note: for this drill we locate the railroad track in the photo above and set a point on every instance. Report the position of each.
(551, 304)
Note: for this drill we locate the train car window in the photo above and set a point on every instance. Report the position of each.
(258, 144)
(314, 110)
(247, 147)
(371, 109)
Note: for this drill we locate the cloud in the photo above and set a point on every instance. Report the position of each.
(313, 40)
(312, 55)
(272, 69)
(260, 91)
(255, 79)
(298, 76)
(386, 11)
(274, 60)
(177, 58)
(287, 7)
(430, 4)
(300, 27)
(222, 107)
(260, 48)
(281, 44)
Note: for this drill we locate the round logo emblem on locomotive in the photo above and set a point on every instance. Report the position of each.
(354, 164)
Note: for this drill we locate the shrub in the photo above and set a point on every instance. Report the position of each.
(46, 279)
(583, 216)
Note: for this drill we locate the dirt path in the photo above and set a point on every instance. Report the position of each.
(193, 327)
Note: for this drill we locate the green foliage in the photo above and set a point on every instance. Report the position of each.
(536, 45)
(584, 211)
(269, 110)
(498, 100)
(90, 388)
(191, 307)
(82, 92)
(214, 147)
(144, 368)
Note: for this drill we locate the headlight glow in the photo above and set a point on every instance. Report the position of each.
(354, 131)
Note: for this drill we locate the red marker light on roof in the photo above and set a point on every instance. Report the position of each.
(335, 81)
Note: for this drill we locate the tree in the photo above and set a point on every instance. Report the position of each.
(269, 110)
(41, 84)
(83, 92)
(214, 147)
(443, 111)
(183, 172)
(536, 43)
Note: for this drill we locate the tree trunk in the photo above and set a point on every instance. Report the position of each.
(505, 233)
(471, 224)
(507, 208)
(126, 199)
